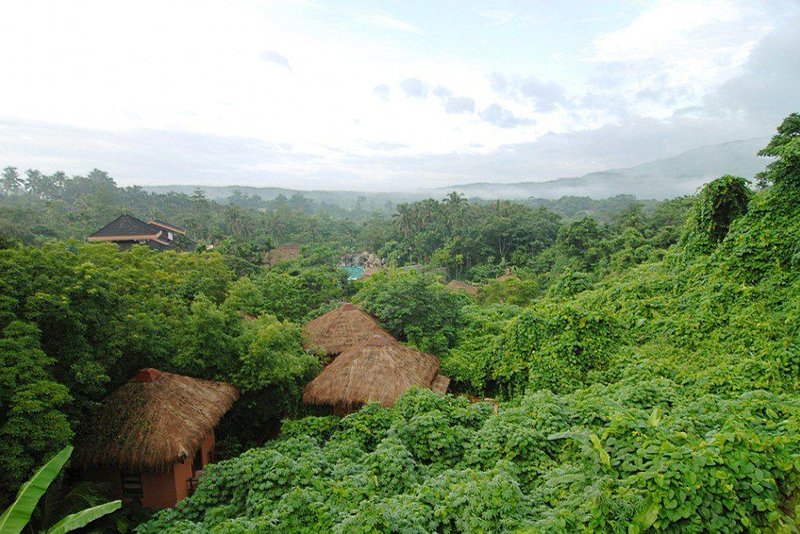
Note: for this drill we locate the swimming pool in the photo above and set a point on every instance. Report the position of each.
(354, 272)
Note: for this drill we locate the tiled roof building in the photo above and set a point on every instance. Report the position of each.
(127, 231)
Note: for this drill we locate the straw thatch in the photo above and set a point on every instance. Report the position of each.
(340, 329)
(440, 384)
(153, 421)
(369, 271)
(379, 370)
(456, 286)
(280, 254)
(508, 275)
(246, 316)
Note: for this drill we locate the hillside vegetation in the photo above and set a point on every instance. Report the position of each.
(624, 367)
(664, 397)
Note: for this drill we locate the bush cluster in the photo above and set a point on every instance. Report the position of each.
(629, 456)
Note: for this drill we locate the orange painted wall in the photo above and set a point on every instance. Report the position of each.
(208, 447)
(180, 481)
(160, 490)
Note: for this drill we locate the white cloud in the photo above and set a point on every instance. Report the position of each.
(270, 56)
(504, 118)
(385, 22)
(677, 51)
(496, 17)
(414, 87)
(332, 88)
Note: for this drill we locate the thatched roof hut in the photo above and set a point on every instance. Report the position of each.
(456, 286)
(369, 271)
(281, 253)
(508, 275)
(340, 329)
(379, 370)
(153, 421)
(440, 384)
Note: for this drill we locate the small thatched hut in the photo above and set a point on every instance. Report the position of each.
(508, 275)
(281, 253)
(456, 286)
(440, 384)
(154, 435)
(340, 329)
(379, 370)
(369, 271)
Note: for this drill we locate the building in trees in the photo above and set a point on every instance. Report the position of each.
(127, 231)
(340, 329)
(152, 438)
(281, 253)
(379, 370)
(457, 286)
(508, 275)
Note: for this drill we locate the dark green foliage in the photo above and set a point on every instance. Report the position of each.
(613, 458)
(289, 291)
(644, 385)
(785, 146)
(719, 204)
(39, 207)
(582, 243)
(570, 283)
(470, 363)
(76, 320)
(554, 348)
(414, 308)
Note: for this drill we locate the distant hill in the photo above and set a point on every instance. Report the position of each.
(344, 199)
(660, 179)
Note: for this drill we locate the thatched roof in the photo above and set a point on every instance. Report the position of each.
(508, 275)
(281, 253)
(440, 384)
(153, 421)
(457, 286)
(379, 370)
(369, 271)
(246, 316)
(340, 329)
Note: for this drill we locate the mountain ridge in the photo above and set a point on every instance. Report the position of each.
(676, 175)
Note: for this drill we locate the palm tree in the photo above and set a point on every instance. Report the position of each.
(454, 204)
(404, 217)
(11, 181)
(455, 200)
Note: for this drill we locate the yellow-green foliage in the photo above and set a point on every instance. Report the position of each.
(661, 397)
(630, 456)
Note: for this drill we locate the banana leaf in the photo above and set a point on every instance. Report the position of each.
(84, 517)
(19, 513)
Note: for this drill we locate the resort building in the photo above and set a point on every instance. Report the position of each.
(127, 230)
(379, 370)
(340, 329)
(280, 254)
(457, 286)
(152, 437)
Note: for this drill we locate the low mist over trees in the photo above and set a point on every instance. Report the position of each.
(621, 366)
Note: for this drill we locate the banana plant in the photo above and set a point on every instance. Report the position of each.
(17, 516)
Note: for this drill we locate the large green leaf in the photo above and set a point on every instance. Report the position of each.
(84, 517)
(645, 516)
(19, 513)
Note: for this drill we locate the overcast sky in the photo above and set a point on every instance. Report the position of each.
(391, 95)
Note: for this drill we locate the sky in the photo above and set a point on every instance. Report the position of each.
(385, 96)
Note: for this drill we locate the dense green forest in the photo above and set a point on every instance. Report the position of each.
(645, 357)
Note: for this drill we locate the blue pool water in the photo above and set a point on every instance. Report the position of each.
(354, 272)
